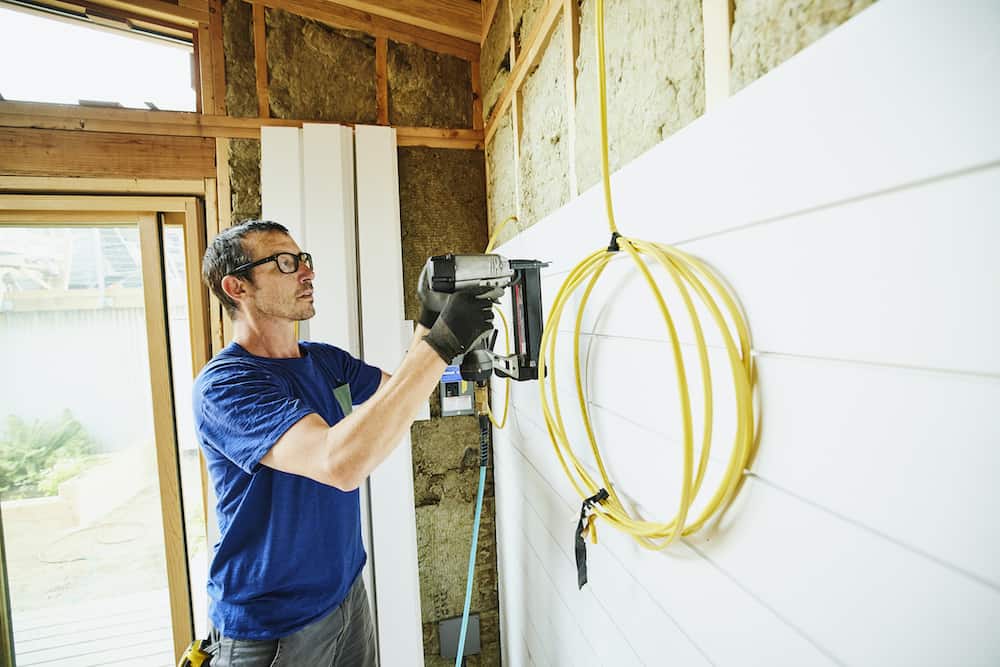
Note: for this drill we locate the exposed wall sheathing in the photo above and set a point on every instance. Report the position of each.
(655, 74)
(543, 148)
(442, 202)
(317, 72)
(238, 49)
(428, 89)
(768, 32)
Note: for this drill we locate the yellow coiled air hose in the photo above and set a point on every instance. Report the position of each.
(687, 273)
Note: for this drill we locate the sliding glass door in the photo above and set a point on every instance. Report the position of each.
(101, 496)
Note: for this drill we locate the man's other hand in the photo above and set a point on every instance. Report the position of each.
(464, 318)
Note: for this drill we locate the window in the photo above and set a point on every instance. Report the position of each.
(71, 60)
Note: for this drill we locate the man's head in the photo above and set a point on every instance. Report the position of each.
(278, 283)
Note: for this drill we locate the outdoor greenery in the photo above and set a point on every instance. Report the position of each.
(36, 456)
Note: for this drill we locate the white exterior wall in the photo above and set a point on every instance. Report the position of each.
(851, 197)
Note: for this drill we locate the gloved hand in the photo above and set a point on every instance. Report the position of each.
(431, 302)
(464, 318)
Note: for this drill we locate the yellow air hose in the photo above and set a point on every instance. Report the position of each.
(688, 274)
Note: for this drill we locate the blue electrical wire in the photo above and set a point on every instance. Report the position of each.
(472, 567)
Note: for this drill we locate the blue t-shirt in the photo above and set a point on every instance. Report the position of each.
(290, 547)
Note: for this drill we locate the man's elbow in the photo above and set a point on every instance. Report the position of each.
(343, 475)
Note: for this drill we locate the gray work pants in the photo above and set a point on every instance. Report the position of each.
(343, 638)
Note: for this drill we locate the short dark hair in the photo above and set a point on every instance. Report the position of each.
(227, 252)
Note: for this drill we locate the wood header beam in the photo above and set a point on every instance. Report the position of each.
(31, 152)
(340, 16)
(179, 124)
(457, 18)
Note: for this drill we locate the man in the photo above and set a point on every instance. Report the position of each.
(286, 453)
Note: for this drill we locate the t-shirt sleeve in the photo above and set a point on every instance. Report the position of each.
(363, 378)
(243, 412)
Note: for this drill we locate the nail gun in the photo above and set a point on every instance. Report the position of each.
(450, 273)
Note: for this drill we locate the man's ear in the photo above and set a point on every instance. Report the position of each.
(234, 288)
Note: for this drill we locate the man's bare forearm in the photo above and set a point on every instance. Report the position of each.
(361, 441)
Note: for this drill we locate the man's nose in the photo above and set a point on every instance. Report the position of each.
(305, 273)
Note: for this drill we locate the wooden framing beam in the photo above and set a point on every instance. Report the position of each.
(260, 59)
(180, 124)
(164, 420)
(457, 18)
(525, 61)
(175, 14)
(30, 152)
(340, 16)
(381, 80)
(718, 19)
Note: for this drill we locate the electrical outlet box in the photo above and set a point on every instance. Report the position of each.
(448, 632)
(456, 394)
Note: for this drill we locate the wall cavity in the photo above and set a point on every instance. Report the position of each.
(238, 50)
(655, 74)
(428, 89)
(244, 179)
(317, 72)
(543, 148)
(442, 202)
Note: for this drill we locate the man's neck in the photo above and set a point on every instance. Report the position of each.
(276, 340)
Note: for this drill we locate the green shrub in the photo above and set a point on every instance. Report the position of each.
(36, 456)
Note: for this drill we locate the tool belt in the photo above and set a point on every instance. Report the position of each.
(198, 654)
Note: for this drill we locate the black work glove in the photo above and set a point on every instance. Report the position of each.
(431, 302)
(464, 318)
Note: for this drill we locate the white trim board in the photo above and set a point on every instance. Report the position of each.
(394, 531)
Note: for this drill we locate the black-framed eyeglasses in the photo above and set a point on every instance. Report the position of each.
(288, 262)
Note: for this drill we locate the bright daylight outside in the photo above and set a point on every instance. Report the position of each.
(80, 498)
(47, 58)
(78, 481)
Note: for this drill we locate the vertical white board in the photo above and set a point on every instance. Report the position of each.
(328, 197)
(282, 184)
(394, 530)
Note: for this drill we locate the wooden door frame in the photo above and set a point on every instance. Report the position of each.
(150, 214)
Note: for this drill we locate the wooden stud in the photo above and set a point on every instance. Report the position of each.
(718, 20)
(260, 59)
(381, 80)
(164, 421)
(62, 153)
(477, 97)
(526, 60)
(58, 218)
(571, 31)
(206, 71)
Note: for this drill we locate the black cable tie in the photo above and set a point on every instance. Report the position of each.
(613, 247)
(580, 544)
